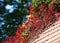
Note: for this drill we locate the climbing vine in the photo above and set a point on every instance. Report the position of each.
(42, 13)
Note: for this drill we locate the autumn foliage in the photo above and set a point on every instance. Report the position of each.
(40, 17)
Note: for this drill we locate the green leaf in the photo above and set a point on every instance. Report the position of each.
(47, 1)
(24, 33)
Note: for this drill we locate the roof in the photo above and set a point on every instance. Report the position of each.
(51, 35)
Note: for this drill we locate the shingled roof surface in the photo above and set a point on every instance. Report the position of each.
(51, 35)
